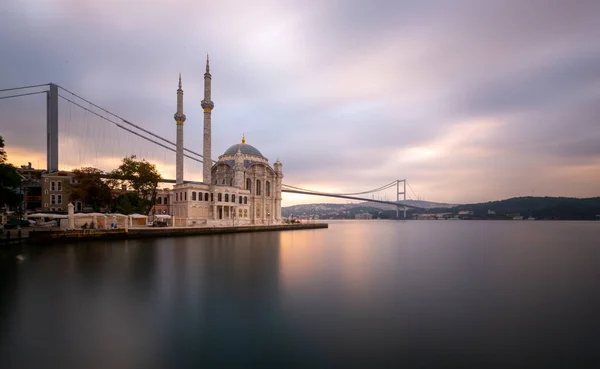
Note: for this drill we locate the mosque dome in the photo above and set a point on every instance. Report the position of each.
(244, 148)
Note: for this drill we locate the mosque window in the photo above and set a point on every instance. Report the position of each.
(258, 187)
(219, 197)
(206, 197)
(166, 200)
(240, 200)
(159, 200)
(232, 197)
(249, 184)
(268, 188)
(226, 197)
(212, 196)
(193, 195)
(245, 199)
(231, 182)
(223, 182)
(199, 196)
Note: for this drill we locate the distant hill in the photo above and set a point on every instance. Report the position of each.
(563, 208)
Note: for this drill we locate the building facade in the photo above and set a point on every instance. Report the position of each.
(241, 188)
(56, 191)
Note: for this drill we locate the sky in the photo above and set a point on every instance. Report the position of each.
(468, 100)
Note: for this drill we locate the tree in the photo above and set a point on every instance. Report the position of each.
(10, 180)
(140, 178)
(90, 188)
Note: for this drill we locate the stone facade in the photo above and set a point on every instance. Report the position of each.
(56, 191)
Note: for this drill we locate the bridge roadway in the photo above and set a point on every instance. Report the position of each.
(394, 203)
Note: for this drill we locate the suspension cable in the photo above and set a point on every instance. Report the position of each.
(129, 130)
(129, 123)
(19, 95)
(416, 197)
(23, 87)
(384, 187)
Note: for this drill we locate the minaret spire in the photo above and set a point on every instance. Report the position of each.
(179, 119)
(207, 105)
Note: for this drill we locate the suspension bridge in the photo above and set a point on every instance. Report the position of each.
(86, 143)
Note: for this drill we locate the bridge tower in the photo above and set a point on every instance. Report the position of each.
(52, 129)
(179, 119)
(398, 193)
(208, 105)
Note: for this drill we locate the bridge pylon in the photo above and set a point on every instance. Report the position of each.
(398, 193)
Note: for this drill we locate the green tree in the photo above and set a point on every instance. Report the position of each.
(10, 180)
(90, 188)
(140, 178)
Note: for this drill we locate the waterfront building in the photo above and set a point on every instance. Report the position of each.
(31, 187)
(241, 188)
(56, 191)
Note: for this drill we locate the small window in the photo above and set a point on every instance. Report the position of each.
(233, 198)
(185, 196)
(223, 182)
(268, 188)
(160, 200)
(199, 196)
(240, 200)
(46, 204)
(166, 200)
(219, 197)
(258, 187)
(52, 186)
(226, 197)
(53, 199)
(212, 196)
(206, 197)
(231, 182)
(46, 180)
(245, 199)
(193, 195)
(176, 196)
(248, 184)
(45, 192)
(240, 213)
(59, 197)
(245, 213)
(59, 185)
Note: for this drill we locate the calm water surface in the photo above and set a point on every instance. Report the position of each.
(361, 294)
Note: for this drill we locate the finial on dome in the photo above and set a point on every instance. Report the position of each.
(243, 139)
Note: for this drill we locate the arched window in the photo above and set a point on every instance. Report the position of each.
(59, 185)
(212, 196)
(268, 188)
(219, 197)
(52, 186)
(193, 195)
(232, 197)
(249, 184)
(245, 199)
(258, 187)
(206, 197)
(166, 200)
(240, 200)
(159, 199)
(226, 197)
(185, 195)
(199, 196)
(59, 198)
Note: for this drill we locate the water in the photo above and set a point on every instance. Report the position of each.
(361, 294)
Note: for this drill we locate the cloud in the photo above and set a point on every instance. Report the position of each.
(469, 101)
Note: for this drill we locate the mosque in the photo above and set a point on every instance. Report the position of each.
(241, 188)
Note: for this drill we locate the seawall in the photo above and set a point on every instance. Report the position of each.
(45, 237)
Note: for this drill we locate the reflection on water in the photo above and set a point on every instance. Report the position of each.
(410, 294)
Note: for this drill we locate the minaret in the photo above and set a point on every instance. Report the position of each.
(179, 118)
(208, 106)
(238, 168)
(278, 185)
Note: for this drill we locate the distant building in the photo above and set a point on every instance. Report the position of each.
(56, 191)
(465, 212)
(363, 216)
(32, 187)
(491, 212)
(162, 204)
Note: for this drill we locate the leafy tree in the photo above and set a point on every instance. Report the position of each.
(141, 178)
(90, 188)
(10, 180)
